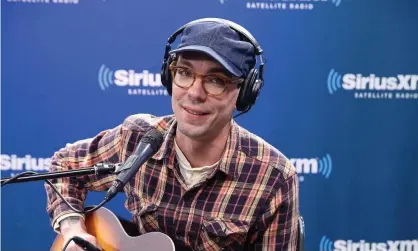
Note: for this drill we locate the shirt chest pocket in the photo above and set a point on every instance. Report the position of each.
(221, 233)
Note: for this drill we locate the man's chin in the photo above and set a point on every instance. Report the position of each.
(192, 131)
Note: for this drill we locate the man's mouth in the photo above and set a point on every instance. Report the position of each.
(194, 112)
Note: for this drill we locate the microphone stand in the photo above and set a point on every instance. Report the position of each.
(97, 170)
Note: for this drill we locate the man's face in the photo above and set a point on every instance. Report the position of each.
(199, 115)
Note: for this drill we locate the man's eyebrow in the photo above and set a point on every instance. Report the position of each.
(212, 70)
(218, 70)
(186, 63)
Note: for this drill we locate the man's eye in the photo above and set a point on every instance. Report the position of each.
(215, 80)
(184, 72)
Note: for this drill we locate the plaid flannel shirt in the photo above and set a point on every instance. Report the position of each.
(249, 202)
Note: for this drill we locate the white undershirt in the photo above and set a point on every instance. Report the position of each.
(192, 175)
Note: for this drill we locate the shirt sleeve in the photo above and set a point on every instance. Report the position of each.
(63, 217)
(278, 228)
(105, 147)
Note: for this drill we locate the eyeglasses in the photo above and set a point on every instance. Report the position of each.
(213, 84)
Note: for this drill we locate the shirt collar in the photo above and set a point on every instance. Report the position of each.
(168, 128)
(231, 154)
(228, 160)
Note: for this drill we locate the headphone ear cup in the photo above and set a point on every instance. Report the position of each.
(255, 91)
(245, 90)
(166, 75)
(253, 88)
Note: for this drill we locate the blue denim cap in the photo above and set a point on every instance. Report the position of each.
(221, 43)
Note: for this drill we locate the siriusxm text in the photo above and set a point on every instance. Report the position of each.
(132, 78)
(372, 82)
(26, 163)
(349, 245)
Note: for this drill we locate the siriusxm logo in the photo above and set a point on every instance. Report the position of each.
(349, 245)
(297, 5)
(138, 83)
(21, 164)
(105, 77)
(374, 87)
(318, 166)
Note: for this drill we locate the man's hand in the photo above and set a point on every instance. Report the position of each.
(74, 226)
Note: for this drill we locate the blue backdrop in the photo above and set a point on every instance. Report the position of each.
(340, 99)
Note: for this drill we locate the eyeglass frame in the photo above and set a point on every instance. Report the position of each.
(228, 80)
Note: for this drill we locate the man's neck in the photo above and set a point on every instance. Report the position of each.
(203, 152)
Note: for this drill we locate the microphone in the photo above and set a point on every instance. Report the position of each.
(85, 244)
(148, 146)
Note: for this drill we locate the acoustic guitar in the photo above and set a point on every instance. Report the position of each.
(117, 234)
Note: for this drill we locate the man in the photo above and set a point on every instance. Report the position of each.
(212, 185)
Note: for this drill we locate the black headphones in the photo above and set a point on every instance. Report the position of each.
(253, 82)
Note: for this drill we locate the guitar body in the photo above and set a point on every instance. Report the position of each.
(114, 234)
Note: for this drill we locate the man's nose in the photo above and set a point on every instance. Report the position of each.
(197, 91)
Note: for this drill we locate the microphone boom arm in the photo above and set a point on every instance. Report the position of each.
(97, 170)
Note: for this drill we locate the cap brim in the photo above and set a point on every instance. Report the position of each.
(218, 57)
